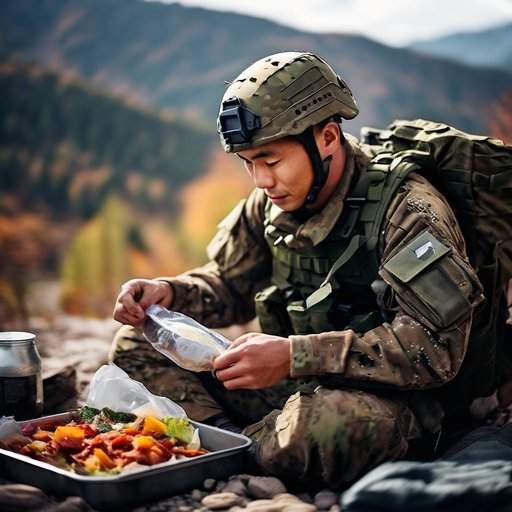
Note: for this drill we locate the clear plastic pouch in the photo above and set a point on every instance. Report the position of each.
(113, 388)
(183, 340)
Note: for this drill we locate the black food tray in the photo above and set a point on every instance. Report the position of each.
(227, 455)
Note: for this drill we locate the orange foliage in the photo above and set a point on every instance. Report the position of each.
(500, 124)
(163, 256)
(89, 178)
(25, 242)
(207, 200)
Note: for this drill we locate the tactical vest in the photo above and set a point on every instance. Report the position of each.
(334, 285)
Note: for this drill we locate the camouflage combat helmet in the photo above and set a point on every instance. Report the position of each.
(281, 95)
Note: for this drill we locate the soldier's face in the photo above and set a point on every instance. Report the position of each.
(282, 169)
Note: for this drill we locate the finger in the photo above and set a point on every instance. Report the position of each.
(125, 318)
(230, 373)
(226, 359)
(129, 304)
(238, 383)
(149, 296)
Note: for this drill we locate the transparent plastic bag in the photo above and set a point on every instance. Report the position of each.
(113, 388)
(183, 340)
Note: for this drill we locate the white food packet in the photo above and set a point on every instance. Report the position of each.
(183, 340)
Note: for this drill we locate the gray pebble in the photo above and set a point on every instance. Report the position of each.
(300, 507)
(72, 504)
(265, 506)
(325, 499)
(236, 486)
(197, 495)
(221, 500)
(243, 477)
(220, 486)
(209, 484)
(18, 497)
(265, 486)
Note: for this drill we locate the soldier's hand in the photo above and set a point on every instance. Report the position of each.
(254, 361)
(138, 294)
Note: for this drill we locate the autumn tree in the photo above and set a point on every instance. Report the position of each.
(208, 199)
(25, 247)
(500, 122)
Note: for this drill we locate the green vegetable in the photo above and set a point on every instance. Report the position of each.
(103, 427)
(179, 428)
(117, 417)
(88, 413)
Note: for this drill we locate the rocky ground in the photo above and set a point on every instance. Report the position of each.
(241, 492)
(72, 349)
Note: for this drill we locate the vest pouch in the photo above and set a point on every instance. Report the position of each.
(271, 312)
(299, 317)
(318, 316)
(310, 321)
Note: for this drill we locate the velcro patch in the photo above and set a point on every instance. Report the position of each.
(416, 256)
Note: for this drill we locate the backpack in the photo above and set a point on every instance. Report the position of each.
(474, 173)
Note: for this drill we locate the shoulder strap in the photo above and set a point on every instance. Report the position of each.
(370, 199)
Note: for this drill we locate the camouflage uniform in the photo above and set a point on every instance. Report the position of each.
(355, 397)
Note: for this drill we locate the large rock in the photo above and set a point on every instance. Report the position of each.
(265, 487)
(236, 486)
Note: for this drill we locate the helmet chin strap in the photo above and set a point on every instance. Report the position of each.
(320, 167)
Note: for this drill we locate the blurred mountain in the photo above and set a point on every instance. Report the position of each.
(64, 147)
(489, 48)
(178, 57)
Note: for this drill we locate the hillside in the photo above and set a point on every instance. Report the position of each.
(179, 57)
(491, 47)
(64, 147)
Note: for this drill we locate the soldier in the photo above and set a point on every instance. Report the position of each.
(357, 360)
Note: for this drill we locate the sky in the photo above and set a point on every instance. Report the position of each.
(393, 22)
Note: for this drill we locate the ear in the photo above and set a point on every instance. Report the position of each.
(327, 139)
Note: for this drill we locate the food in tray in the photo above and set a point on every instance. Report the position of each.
(105, 442)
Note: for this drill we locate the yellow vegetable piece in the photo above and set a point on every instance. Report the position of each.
(104, 460)
(37, 446)
(143, 442)
(69, 437)
(153, 425)
(91, 464)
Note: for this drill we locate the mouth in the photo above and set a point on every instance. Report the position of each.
(276, 198)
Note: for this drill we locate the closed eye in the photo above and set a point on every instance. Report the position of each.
(271, 164)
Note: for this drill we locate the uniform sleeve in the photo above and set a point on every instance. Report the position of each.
(430, 286)
(221, 293)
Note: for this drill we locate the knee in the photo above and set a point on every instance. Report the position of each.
(283, 439)
(331, 436)
(126, 339)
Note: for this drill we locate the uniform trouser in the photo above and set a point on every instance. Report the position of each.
(300, 430)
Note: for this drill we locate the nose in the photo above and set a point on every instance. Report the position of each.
(262, 177)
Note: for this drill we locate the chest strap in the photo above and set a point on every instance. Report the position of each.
(370, 200)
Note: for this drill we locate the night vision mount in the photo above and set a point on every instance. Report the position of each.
(237, 123)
